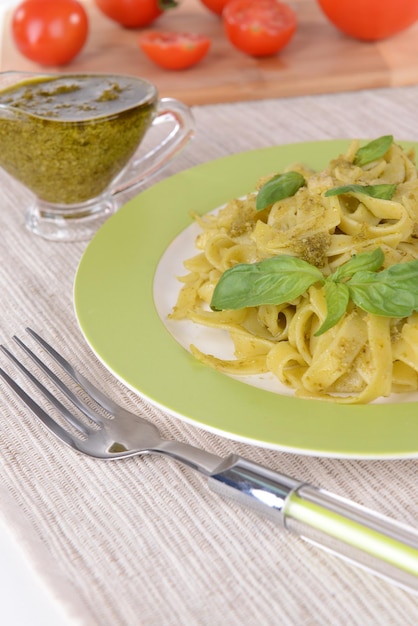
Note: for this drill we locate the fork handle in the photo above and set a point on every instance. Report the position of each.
(365, 538)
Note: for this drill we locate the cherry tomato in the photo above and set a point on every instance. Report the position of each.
(174, 51)
(370, 20)
(259, 27)
(134, 13)
(49, 33)
(216, 6)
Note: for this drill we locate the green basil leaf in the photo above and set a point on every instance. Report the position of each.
(392, 292)
(365, 261)
(376, 149)
(279, 187)
(383, 191)
(271, 281)
(337, 297)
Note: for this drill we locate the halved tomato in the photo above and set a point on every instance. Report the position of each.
(259, 28)
(174, 51)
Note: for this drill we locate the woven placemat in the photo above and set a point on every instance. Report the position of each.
(142, 541)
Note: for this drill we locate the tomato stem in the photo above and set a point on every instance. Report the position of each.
(167, 4)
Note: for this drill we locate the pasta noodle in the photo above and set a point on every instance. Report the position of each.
(362, 357)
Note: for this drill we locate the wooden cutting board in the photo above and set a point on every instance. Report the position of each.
(319, 59)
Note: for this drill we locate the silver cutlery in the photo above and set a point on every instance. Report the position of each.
(365, 538)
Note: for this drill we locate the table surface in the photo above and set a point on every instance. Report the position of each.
(143, 541)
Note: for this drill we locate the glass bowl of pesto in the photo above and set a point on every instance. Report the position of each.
(74, 141)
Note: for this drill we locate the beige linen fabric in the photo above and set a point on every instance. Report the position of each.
(143, 542)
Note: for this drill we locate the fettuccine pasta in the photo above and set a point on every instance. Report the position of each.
(364, 356)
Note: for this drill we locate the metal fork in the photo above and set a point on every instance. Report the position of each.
(376, 543)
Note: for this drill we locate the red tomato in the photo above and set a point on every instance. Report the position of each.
(174, 51)
(259, 27)
(49, 33)
(134, 13)
(216, 6)
(370, 20)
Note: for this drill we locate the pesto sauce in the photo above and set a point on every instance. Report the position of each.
(67, 137)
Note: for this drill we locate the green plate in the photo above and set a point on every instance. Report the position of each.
(121, 320)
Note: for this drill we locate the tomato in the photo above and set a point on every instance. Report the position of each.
(49, 33)
(370, 20)
(134, 13)
(216, 6)
(174, 51)
(259, 27)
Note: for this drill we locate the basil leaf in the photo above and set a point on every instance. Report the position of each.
(374, 150)
(383, 191)
(271, 281)
(392, 292)
(337, 297)
(371, 261)
(279, 187)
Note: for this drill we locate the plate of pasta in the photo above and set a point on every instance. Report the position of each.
(269, 297)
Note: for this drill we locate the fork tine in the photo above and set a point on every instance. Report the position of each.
(46, 419)
(66, 414)
(59, 383)
(105, 402)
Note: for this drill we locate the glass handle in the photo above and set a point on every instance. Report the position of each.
(142, 168)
